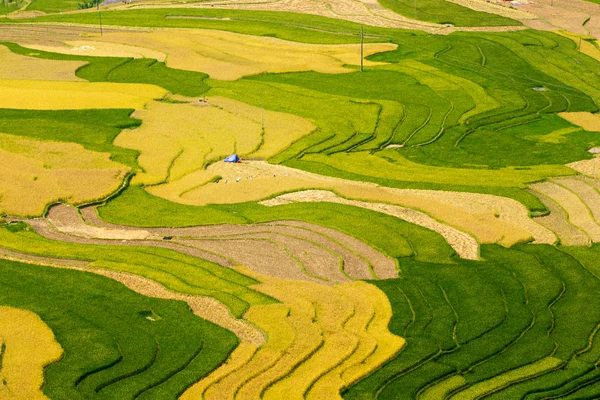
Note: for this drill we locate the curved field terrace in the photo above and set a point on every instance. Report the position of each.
(374, 199)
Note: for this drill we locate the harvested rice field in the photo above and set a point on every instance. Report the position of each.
(373, 199)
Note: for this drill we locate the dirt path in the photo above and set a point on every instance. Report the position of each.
(204, 307)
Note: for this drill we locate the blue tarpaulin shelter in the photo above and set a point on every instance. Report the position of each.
(232, 158)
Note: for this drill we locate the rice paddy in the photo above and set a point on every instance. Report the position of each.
(38, 173)
(174, 155)
(204, 51)
(414, 215)
(28, 346)
(50, 95)
(320, 341)
(15, 66)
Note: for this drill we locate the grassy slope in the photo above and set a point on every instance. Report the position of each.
(111, 350)
(445, 12)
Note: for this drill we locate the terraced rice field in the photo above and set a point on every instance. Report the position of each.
(415, 215)
(203, 51)
(50, 95)
(28, 345)
(173, 155)
(577, 202)
(506, 222)
(15, 66)
(36, 173)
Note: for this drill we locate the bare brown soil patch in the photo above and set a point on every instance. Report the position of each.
(383, 266)
(51, 34)
(357, 256)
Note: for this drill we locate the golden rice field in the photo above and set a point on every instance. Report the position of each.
(588, 121)
(177, 141)
(320, 340)
(53, 95)
(36, 173)
(229, 56)
(28, 346)
(15, 66)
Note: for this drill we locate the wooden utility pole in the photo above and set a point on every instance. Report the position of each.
(99, 16)
(362, 41)
(262, 117)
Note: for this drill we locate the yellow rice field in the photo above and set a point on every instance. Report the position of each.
(29, 347)
(229, 56)
(48, 95)
(321, 339)
(16, 66)
(586, 120)
(177, 141)
(36, 173)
